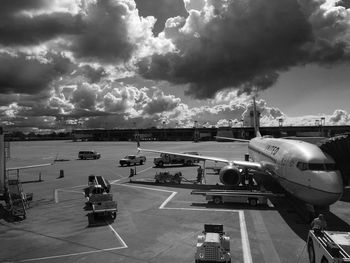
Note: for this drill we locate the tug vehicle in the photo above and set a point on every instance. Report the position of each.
(166, 177)
(213, 245)
(328, 246)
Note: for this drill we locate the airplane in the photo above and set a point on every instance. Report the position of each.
(301, 168)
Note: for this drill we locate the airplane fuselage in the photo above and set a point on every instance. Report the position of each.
(301, 168)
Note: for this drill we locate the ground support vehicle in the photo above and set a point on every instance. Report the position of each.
(94, 180)
(83, 155)
(132, 160)
(328, 246)
(101, 205)
(166, 177)
(213, 245)
(175, 159)
(252, 197)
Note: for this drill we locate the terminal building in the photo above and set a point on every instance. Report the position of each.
(204, 134)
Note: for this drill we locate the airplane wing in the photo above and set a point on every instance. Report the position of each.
(28, 167)
(242, 164)
(231, 139)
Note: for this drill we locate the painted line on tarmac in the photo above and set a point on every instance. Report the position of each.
(71, 254)
(118, 236)
(245, 239)
(144, 170)
(247, 256)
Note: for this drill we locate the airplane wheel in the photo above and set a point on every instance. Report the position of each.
(217, 200)
(114, 215)
(160, 164)
(311, 251)
(253, 202)
(189, 163)
(141, 162)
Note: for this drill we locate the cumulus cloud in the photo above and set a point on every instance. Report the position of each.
(239, 44)
(161, 103)
(340, 117)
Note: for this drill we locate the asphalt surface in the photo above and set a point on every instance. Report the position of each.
(155, 222)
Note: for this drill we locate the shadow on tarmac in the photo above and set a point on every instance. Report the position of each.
(288, 210)
(232, 206)
(97, 221)
(346, 195)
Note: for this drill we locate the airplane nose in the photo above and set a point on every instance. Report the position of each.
(333, 184)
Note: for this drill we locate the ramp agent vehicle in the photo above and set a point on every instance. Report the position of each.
(328, 246)
(213, 245)
(132, 160)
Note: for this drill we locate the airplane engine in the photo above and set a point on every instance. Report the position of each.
(230, 175)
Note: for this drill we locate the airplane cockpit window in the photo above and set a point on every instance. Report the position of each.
(302, 166)
(331, 166)
(316, 166)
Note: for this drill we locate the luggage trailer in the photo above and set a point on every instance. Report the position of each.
(251, 197)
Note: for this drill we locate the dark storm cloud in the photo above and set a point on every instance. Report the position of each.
(244, 46)
(20, 29)
(104, 33)
(164, 10)
(97, 33)
(24, 74)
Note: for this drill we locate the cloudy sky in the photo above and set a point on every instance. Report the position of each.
(142, 63)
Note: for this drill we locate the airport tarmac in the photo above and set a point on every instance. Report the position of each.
(155, 223)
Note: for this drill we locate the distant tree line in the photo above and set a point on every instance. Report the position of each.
(32, 136)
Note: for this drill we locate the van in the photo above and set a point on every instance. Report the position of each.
(83, 155)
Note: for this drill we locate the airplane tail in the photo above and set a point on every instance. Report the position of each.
(256, 120)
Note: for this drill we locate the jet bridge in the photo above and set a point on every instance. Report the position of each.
(339, 148)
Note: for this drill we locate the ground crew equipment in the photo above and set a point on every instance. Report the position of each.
(328, 246)
(213, 245)
(166, 177)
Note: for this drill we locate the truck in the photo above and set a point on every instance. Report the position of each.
(132, 160)
(166, 158)
(251, 197)
(328, 246)
(213, 245)
(100, 204)
(83, 155)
